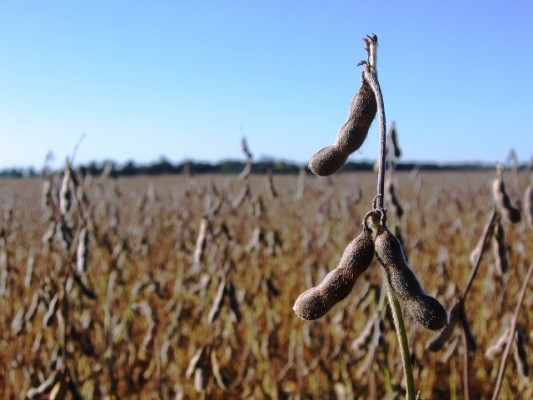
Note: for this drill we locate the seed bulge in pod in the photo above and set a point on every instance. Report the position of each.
(427, 312)
(423, 309)
(327, 161)
(351, 135)
(338, 283)
(363, 109)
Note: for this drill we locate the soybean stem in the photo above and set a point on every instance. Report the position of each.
(486, 234)
(512, 333)
(370, 75)
(466, 385)
(402, 340)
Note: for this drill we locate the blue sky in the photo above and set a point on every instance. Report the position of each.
(141, 80)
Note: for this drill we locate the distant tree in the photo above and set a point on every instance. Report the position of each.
(129, 169)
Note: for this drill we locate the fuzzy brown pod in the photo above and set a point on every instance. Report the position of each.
(427, 312)
(393, 199)
(351, 135)
(502, 200)
(499, 249)
(423, 309)
(438, 342)
(327, 161)
(338, 283)
(519, 352)
(394, 139)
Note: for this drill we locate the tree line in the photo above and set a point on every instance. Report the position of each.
(166, 167)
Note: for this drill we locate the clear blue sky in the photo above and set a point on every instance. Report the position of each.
(187, 79)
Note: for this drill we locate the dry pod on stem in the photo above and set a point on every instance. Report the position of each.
(499, 249)
(393, 199)
(351, 135)
(338, 283)
(502, 200)
(394, 139)
(402, 283)
(422, 308)
(519, 352)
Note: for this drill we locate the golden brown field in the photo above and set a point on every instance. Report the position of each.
(189, 283)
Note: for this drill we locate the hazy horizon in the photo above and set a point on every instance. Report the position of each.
(58, 164)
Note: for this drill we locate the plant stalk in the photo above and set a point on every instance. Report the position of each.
(485, 238)
(402, 340)
(514, 322)
(466, 380)
(370, 75)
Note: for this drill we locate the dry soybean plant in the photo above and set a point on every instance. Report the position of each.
(160, 327)
(494, 232)
(403, 287)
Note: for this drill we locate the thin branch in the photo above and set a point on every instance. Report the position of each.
(402, 340)
(486, 235)
(511, 333)
(466, 391)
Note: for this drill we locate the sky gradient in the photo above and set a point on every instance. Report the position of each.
(142, 80)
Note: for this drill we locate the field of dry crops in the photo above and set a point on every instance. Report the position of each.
(182, 288)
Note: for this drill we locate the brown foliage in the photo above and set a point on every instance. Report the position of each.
(181, 305)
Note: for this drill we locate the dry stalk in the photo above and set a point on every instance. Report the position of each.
(249, 161)
(528, 204)
(477, 254)
(299, 194)
(512, 329)
(458, 315)
(269, 183)
(4, 264)
(502, 200)
(370, 75)
(499, 249)
(201, 242)
(496, 349)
